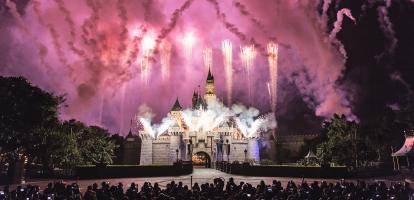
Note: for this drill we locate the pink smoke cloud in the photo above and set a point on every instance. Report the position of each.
(104, 87)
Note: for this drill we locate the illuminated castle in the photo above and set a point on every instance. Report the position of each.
(180, 142)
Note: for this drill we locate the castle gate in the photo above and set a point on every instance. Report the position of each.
(201, 159)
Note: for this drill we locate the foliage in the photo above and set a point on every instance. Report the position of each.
(339, 146)
(96, 146)
(24, 108)
(29, 125)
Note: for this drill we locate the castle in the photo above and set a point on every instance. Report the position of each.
(222, 143)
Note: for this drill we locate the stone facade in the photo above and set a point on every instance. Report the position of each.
(222, 143)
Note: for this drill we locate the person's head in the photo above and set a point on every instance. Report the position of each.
(95, 186)
(89, 188)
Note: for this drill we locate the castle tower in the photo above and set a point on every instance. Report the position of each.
(253, 149)
(210, 96)
(176, 112)
(146, 149)
(194, 99)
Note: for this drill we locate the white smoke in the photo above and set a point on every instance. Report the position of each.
(144, 117)
(248, 120)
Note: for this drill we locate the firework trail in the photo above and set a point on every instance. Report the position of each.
(273, 51)
(123, 36)
(269, 92)
(147, 46)
(339, 18)
(137, 38)
(208, 59)
(233, 28)
(90, 28)
(338, 26)
(248, 56)
(188, 43)
(42, 50)
(55, 35)
(68, 17)
(173, 22)
(165, 53)
(387, 26)
(243, 10)
(325, 7)
(227, 50)
(122, 109)
(146, 4)
(13, 11)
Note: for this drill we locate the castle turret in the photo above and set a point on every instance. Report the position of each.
(194, 99)
(176, 112)
(253, 149)
(210, 96)
(177, 106)
(146, 148)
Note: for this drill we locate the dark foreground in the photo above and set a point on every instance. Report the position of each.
(211, 184)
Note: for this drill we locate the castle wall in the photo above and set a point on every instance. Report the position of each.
(237, 150)
(253, 149)
(174, 141)
(160, 154)
(146, 149)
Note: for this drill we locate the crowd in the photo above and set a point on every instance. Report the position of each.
(218, 189)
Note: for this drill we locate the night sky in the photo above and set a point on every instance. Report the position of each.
(346, 57)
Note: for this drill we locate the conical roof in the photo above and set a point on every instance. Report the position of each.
(177, 106)
(310, 155)
(210, 76)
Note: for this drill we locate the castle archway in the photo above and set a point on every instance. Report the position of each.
(201, 159)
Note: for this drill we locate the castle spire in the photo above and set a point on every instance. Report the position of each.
(177, 106)
(210, 77)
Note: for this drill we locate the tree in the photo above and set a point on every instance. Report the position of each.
(340, 144)
(24, 108)
(59, 148)
(94, 143)
(96, 147)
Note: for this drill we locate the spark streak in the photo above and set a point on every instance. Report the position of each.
(188, 43)
(147, 45)
(248, 56)
(208, 59)
(165, 53)
(273, 51)
(226, 48)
